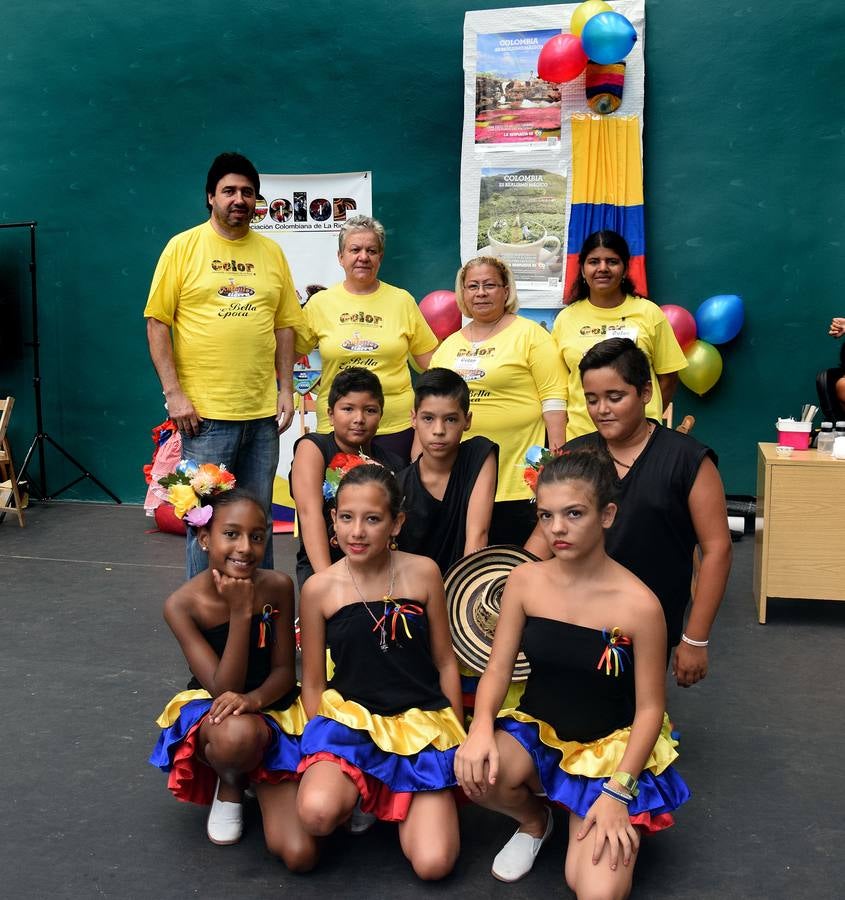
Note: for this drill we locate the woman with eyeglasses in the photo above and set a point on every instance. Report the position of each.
(516, 385)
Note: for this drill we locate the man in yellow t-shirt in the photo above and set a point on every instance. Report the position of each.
(226, 294)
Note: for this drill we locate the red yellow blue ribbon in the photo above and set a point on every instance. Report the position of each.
(615, 655)
(398, 613)
(265, 626)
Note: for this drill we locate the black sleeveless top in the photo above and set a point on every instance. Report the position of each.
(437, 528)
(386, 682)
(258, 662)
(567, 689)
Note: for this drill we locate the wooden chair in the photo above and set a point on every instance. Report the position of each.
(10, 498)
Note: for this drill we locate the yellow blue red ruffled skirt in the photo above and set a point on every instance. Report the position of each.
(389, 758)
(192, 780)
(571, 772)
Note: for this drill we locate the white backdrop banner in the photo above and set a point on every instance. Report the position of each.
(303, 214)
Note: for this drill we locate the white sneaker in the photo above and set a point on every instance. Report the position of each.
(225, 821)
(516, 859)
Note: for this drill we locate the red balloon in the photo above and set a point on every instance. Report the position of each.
(441, 312)
(683, 324)
(562, 58)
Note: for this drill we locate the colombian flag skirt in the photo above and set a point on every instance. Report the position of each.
(388, 758)
(571, 773)
(192, 780)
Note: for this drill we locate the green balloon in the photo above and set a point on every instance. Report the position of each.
(704, 366)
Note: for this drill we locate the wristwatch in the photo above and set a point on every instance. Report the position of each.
(631, 785)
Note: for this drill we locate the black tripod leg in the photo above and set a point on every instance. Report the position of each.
(85, 472)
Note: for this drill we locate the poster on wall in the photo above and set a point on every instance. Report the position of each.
(514, 108)
(303, 214)
(515, 124)
(522, 220)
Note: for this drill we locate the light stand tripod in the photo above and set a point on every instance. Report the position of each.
(40, 434)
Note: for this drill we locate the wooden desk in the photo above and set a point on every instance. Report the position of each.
(799, 544)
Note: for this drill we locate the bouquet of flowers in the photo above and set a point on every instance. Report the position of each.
(340, 464)
(535, 460)
(189, 483)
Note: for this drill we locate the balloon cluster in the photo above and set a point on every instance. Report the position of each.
(717, 321)
(440, 310)
(596, 33)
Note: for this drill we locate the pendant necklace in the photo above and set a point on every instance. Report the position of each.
(639, 453)
(474, 343)
(381, 624)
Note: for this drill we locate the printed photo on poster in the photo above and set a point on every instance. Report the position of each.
(514, 108)
(544, 317)
(522, 219)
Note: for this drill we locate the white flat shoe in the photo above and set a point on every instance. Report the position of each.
(516, 859)
(225, 821)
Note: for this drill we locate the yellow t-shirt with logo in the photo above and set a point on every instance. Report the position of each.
(581, 325)
(224, 299)
(375, 331)
(508, 377)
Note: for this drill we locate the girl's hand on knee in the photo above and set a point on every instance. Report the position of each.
(230, 703)
(613, 826)
(477, 764)
(239, 593)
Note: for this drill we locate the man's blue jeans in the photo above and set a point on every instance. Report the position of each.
(250, 451)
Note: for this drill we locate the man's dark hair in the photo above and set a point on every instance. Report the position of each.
(230, 164)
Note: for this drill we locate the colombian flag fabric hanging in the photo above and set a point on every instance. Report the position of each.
(607, 189)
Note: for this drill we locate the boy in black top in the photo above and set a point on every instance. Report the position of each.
(450, 487)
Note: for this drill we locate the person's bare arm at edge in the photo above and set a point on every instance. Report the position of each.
(285, 338)
(307, 485)
(710, 521)
(179, 407)
(480, 506)
(477, 759)
(668, 385)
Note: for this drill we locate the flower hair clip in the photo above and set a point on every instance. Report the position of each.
(536, 459)
(340, 465)
(190, 483)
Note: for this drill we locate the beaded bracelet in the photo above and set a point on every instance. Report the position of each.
(615, 794)
(693, 643)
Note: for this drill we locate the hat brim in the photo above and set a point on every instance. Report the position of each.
(467, 582)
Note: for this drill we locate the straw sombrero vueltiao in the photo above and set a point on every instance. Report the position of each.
(474, 588)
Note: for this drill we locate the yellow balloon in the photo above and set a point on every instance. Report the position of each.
(704, 367)
(585, 12)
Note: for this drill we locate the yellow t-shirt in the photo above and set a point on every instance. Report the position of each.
(508, 377)
(374, 331)
(581, 325)
(224, 299)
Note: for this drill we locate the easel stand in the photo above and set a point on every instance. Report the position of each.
(41, 436)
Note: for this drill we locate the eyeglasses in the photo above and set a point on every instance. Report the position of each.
(474, 288)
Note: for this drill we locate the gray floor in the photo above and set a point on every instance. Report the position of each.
(87, 664)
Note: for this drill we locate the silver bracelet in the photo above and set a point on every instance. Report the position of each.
(693, 643)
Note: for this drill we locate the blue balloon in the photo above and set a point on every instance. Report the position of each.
(608, 38)
(719, 319)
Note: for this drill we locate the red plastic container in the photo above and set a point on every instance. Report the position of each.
(794, 434)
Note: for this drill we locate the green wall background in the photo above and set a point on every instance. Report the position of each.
(112, 112)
